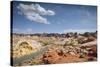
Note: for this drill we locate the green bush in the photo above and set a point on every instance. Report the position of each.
(71, 42)
(45, 43)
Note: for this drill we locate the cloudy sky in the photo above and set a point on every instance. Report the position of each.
(30, 17)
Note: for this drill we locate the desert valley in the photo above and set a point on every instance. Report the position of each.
(53, 48)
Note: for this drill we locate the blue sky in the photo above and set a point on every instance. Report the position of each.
(30, 17)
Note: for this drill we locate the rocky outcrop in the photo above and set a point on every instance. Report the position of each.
(24, 47)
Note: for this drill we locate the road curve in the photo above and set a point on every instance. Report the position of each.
(30, 56)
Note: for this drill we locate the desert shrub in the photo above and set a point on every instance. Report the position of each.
(81, 55)
(45, 43)
(82, 40)
(35, 63)
(71, 42)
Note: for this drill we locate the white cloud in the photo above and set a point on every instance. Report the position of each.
(42, 11)
(58, 22)
(15, 29)
(29, 30)
(34, 12)
(86, 15)
(79, 30)
(37, 18)
(50, 12)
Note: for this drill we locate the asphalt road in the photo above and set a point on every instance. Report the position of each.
(30, 56)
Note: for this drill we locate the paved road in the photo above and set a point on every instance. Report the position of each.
(30, 56)
(41, 51)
